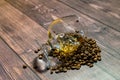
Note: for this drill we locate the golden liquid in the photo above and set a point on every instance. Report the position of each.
(68, 46)
(67, 49)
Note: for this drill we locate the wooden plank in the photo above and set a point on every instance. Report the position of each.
(109, 6)
(107, 69)
(39, 14)
(104, 14)
(11, 66)
(20, 32)
(18, 25)
(96, 29)
(3, 74)
(27, 54)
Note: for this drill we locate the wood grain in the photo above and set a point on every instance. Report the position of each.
(100, 10)
(11, 66)
(108, 68)
(21, 31)
(100, 32)
(3, 74)
(20, 28)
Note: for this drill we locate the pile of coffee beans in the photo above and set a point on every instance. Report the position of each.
(86, 54)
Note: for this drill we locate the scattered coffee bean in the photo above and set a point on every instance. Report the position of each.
(77, 31)
(35, 51)
(91, 65)
(87, 53)
(51, 72)
(77, 20)
(40, 56)
(64, 69)
(35, 67)
(95, 59)
(99, 58)
(39, 49)
(57, 71)
(24, 66)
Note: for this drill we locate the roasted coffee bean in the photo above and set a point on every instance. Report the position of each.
(83, 62)
(90, 42)
(98, 55)
(51, 71)
(95, 59)
(77, 31)
(74, 58)
(35, 67)
(79, 65)
(24, 66)
(64, 69)
(35, 51)
(91, 65)
(68, 68)
(57, 71)
(88, 64)
(40, 57)
(91, 61)
(87, 53)
(99, 58)
(54, 68)
(77, 62)
(60, 68)
(99, 50)
(39, 49)
(73, 67)
(94, 45)
(77, 20)
(85, 58)
(82, 54)
(67, 64)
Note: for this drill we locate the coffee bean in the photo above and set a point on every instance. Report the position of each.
(85, 58)
(35, 51)
(91, 61)
(99, 58)
(91, 65)
(95, 59)
(57, 71)
(77, 31)
(98, 55)
(68, 68)
(73, 67)
(88, 64)
(39, 49)
(83, 62)
(35, 67)
(87, 53)
(24, 66)
(64, 69)
(40, 57)
(51, 72)
(77, 20)
(82, 54)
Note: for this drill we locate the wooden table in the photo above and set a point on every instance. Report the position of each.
(22, 23)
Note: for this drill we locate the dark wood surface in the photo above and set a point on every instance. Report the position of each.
(103, 11)
(11, 65)
(22, 22)
(95, 28)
